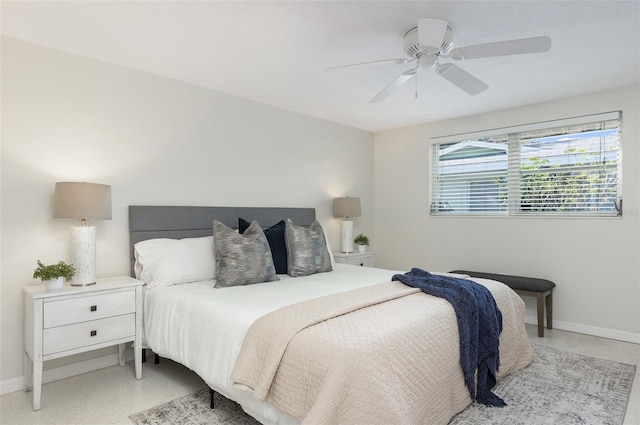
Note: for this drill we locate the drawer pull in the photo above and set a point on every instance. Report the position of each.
(94, 333)
(94, 308)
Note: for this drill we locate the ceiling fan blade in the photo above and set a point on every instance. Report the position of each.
(431, 32)
(503, 48)
(392, 86)
(461, 78)
(395, 61)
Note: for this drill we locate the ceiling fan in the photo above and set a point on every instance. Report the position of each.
(431, 41)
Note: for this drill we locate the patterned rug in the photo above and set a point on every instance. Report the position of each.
(558, 388)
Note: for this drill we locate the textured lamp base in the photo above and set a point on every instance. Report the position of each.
(346, 236)
(83, 242)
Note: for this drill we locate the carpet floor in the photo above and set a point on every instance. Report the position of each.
(557, 388)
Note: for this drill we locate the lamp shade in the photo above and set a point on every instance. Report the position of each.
(82, 201)
(346, 207)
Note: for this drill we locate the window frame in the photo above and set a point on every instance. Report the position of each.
(511, 140)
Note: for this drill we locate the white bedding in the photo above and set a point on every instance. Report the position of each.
(203, 328)
(177, 318)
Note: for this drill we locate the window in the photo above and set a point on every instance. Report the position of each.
(568, 167)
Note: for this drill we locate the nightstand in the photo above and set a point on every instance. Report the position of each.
(365, 259)
(78, 319)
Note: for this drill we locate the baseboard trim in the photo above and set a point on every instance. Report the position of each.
(11, 385)
(589, 330)
(17, 384)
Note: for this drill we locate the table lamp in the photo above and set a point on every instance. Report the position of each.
(346, 207)
(83, 201)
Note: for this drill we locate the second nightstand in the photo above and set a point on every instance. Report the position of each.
(364, 259)
(78, 319)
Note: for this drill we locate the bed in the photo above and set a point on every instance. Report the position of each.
(385, 358)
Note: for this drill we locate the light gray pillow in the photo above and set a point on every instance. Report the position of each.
(307, 251)
(242, 259)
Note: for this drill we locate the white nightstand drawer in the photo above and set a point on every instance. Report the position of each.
(93, 307)
(84, 334)
(364, 259)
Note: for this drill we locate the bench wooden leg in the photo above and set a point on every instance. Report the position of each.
(549, 306)
(540, 298)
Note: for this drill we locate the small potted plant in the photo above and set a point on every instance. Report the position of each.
(362, 241)
(54, 275)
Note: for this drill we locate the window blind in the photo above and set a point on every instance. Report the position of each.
(568, 167)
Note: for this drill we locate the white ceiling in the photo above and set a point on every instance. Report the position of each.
(276, 52)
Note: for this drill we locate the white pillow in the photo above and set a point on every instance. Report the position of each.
(174, 261)
(333, 261)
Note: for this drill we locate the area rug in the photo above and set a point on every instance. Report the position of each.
(193, 409)
(558, 388)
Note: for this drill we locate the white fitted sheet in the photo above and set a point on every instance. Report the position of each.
(203, 327)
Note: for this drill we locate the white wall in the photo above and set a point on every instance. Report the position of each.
(594, 262)
(155, 141)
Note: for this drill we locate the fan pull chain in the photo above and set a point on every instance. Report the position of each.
(417, 69)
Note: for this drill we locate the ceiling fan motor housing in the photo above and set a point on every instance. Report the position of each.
(413, 49)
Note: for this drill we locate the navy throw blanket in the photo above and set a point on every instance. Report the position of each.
(479, 325)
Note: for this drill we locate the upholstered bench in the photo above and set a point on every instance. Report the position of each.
(542, 289)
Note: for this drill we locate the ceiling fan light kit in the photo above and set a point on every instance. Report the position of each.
(432, 40)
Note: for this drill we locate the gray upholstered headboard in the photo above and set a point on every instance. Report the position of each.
(177, 222)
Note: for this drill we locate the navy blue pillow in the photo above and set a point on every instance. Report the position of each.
(275, 237)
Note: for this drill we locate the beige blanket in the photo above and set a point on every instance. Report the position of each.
(393, 359)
